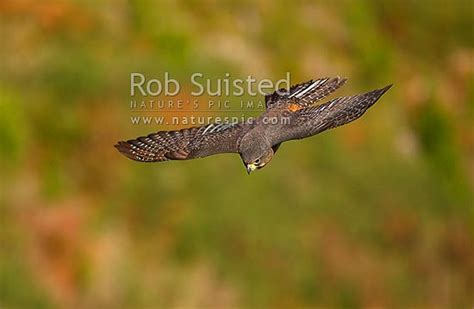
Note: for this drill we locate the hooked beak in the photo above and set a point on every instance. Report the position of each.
(250, 168)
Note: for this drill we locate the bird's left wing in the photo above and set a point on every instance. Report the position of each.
(306, 93)
(189, 143)
(316, 119)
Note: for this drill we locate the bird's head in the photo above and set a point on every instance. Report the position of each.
(256, 157)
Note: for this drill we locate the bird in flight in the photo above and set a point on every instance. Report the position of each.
(289, 115)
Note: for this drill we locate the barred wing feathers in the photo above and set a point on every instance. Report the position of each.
(306, 93)
(189, 143)
(316, 119)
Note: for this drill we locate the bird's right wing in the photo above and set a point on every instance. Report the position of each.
(189, 143)
(316, 119)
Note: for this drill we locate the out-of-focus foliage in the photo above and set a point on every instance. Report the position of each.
(378, 213)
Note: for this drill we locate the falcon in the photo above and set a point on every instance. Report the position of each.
(289, 115)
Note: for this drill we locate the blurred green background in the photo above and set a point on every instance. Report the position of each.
(378, 213)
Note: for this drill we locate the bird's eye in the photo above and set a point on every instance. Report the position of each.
(257, 162)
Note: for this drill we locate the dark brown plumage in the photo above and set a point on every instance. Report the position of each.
(289, 115)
